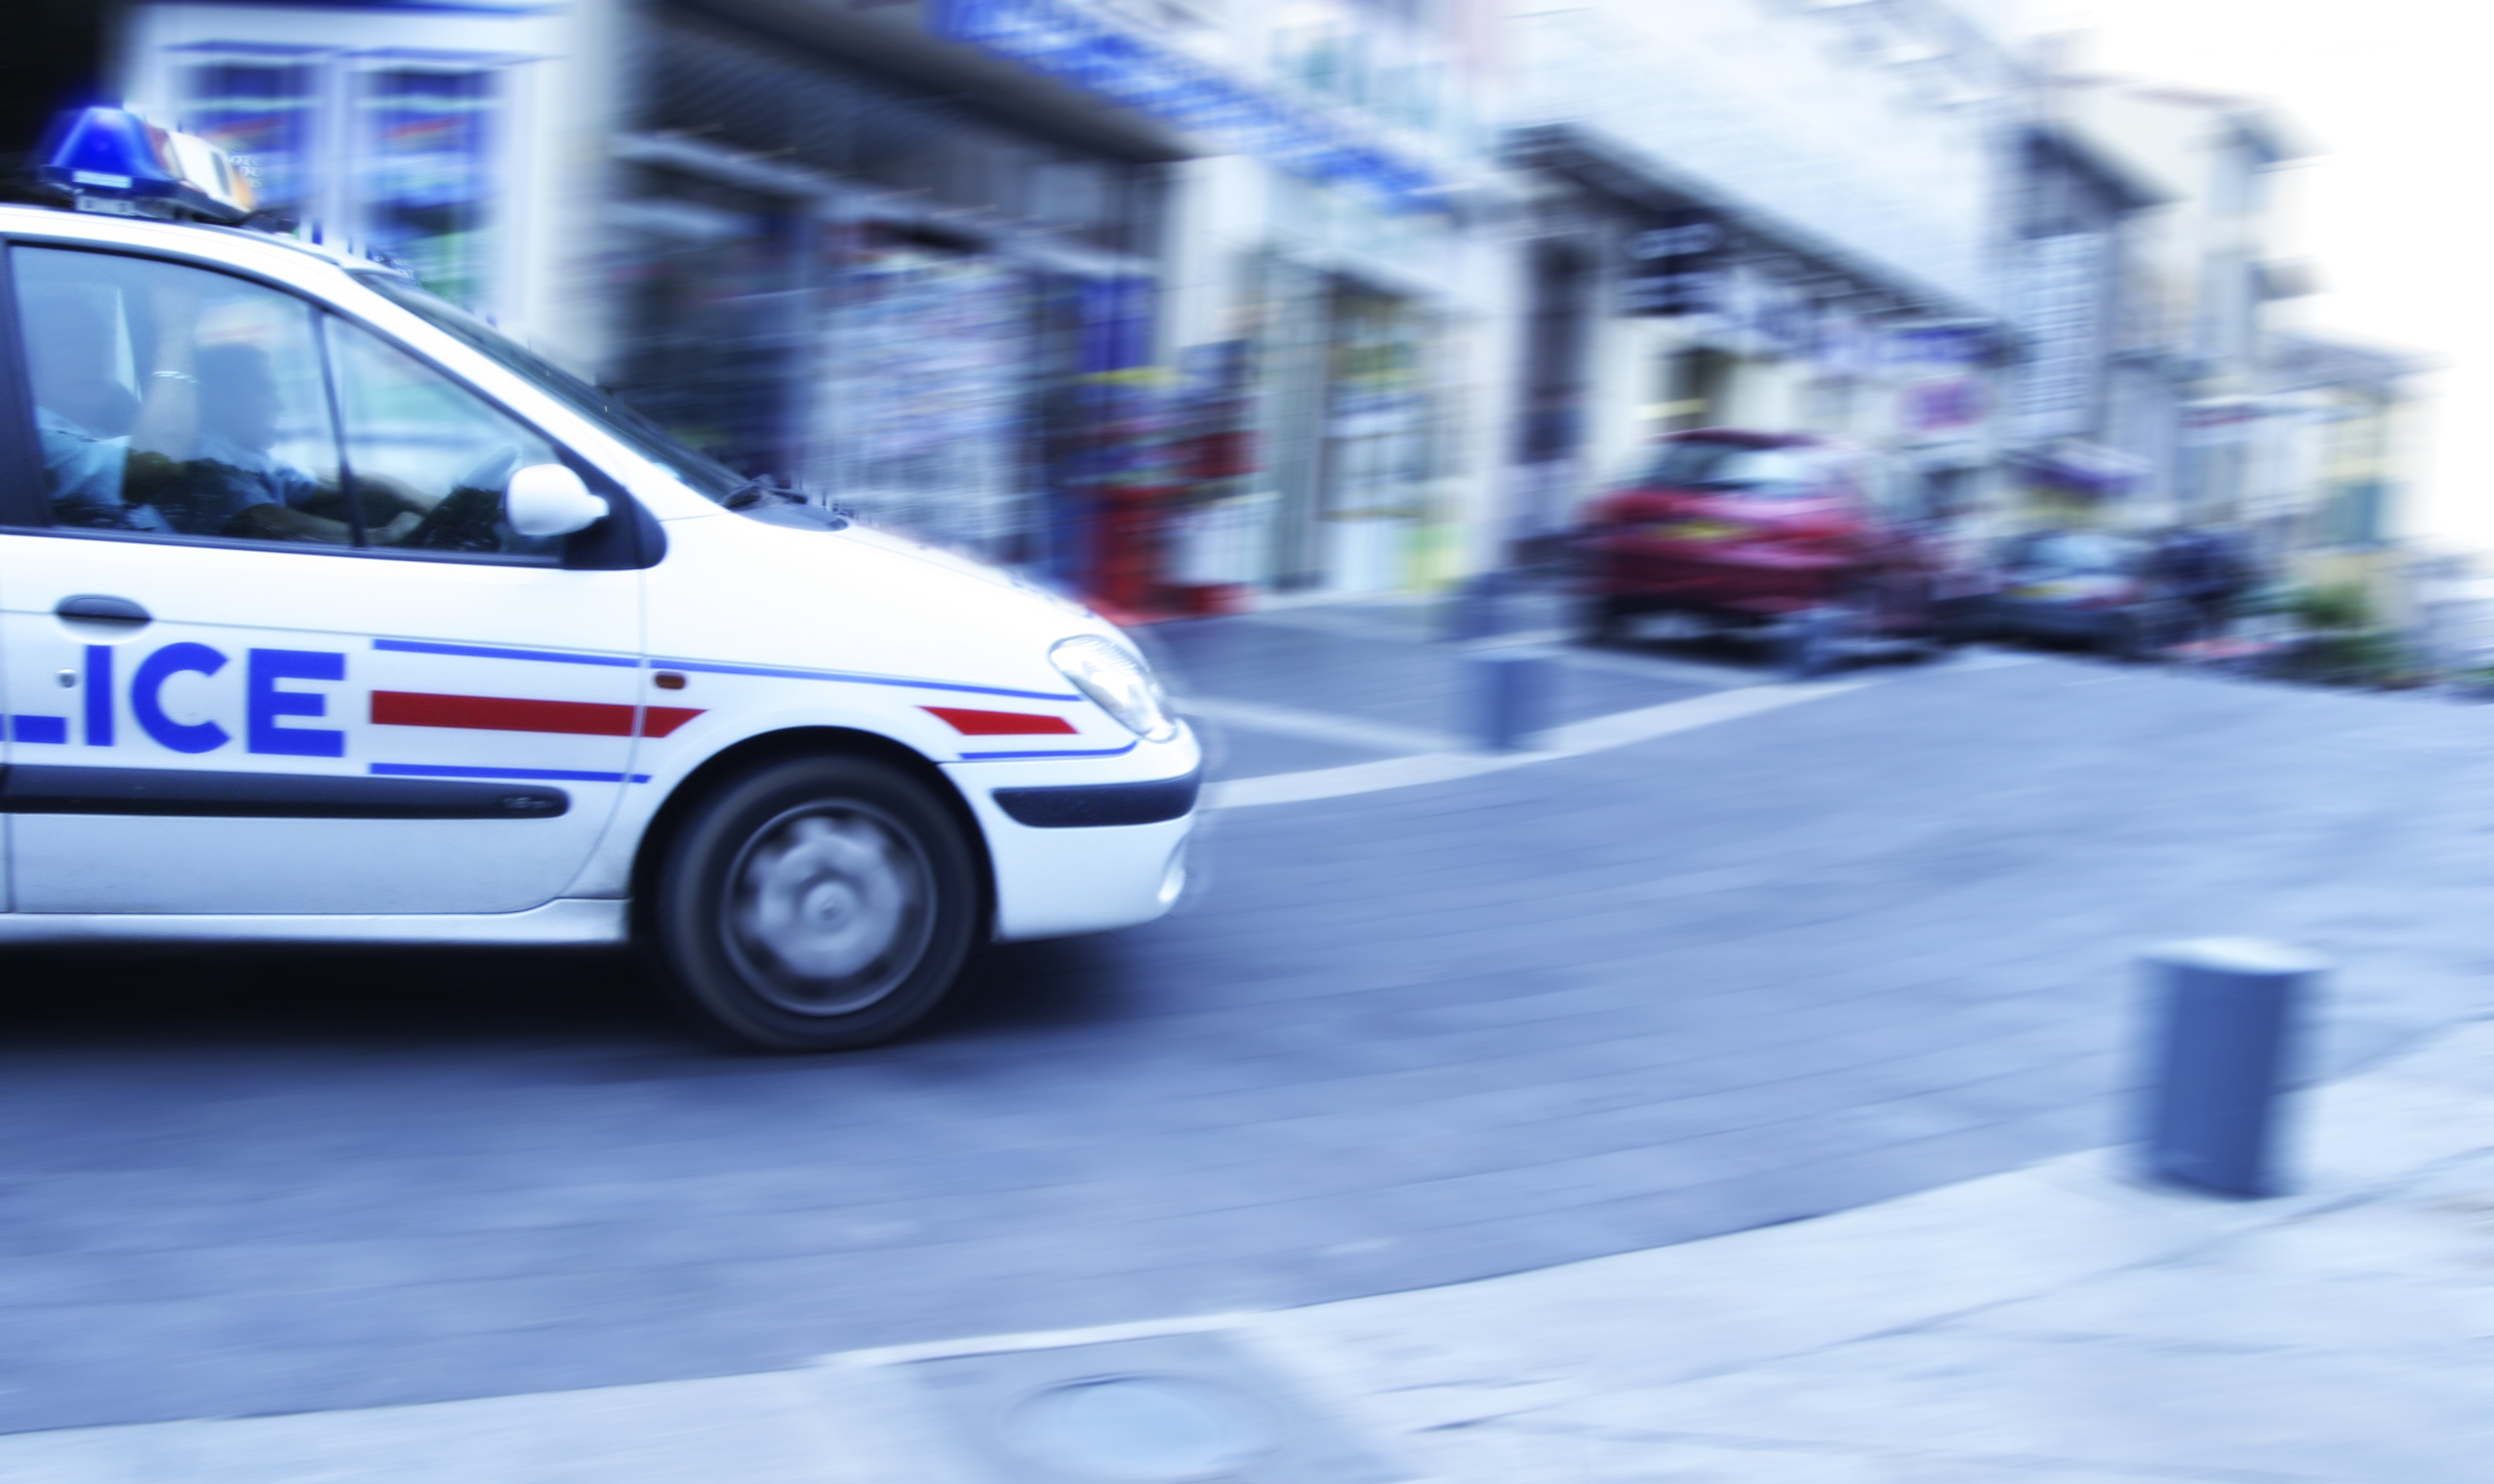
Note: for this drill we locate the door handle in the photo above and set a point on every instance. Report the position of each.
(95, 608)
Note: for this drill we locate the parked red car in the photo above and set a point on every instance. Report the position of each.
(1753, 529)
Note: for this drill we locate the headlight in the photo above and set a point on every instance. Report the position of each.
(1118, 682)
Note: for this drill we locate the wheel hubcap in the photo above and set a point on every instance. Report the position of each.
(828, 908)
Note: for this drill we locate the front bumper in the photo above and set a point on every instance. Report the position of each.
(1090, 844)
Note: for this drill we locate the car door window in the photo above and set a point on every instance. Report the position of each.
(430, 459)
(177, 400)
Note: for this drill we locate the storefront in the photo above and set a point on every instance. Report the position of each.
(965, 297)
(929, 314)
(912, 256)
(928, 309)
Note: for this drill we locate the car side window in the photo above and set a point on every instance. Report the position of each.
(178, 400)
(430, 460)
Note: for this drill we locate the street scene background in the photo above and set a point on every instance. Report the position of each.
(1714, 1058)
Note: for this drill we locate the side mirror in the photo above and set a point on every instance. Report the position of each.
(548, 499)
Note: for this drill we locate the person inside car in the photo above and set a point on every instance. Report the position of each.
(234, 484)
(192, 452)
(82, 415)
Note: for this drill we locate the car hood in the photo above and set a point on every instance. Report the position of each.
(767, 592)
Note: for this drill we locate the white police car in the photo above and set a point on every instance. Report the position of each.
(329, 614)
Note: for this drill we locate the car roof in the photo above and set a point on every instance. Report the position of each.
(285, 258)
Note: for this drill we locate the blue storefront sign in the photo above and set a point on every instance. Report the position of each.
(1054, 37)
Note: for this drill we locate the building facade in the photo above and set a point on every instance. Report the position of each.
(1778, 216)
(1080, 289)
(2338, 423)
(2154, 409)
(1168, 298)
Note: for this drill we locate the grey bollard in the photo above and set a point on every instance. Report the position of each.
(2229, 1010)
(1510, 697)
(1810, 641)
(1475, 609)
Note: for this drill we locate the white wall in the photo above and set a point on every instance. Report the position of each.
(1819, 118)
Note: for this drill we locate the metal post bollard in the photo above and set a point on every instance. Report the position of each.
(1475, 610)
(1510, 695)
(2228, 1013)
(1809, 642)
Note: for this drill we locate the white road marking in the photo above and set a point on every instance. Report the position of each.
(1572, 741)
(1624, 727)
(1361, 777)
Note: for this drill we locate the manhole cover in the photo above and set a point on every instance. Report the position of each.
(1184, 1408)
(1155, 1428)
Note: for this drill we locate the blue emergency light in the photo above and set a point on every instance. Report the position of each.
(113, 161)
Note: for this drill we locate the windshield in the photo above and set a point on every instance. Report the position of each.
(1762, 473)
(697, 471)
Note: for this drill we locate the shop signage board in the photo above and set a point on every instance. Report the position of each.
(1941, 388)
(1064, 41)
(1674, 266)
(2059, 311)
(1767, 315)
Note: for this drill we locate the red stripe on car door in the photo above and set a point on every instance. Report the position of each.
(512, 713)
(970, 723)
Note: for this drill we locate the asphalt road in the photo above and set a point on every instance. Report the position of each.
(1867, 944)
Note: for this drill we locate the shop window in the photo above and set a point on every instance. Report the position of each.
(263, 114)
(1376, 414)
(2355, 514)
(713, 321)
(424, 136)
(414, 169)
(919, 391)
(1828, 404)
(1696, 382)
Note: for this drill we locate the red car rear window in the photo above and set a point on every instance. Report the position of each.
(1742, 469)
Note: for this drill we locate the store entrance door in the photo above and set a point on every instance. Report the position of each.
(1551, 432)
(715, 314)
(1372, 468)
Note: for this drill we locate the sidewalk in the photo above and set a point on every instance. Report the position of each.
(1300, 687)
(2058, 1324)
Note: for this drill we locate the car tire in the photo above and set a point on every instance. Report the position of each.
(816, 903)
(2127, 639)
(1968, 626)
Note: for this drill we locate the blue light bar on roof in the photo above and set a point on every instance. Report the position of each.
(113, 161)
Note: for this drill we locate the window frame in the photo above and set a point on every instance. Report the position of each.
(628, 538)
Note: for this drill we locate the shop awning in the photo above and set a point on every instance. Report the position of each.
(1627, 173)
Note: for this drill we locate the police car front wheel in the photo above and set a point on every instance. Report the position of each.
(815, 904)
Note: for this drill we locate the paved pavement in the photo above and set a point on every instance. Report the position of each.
(1870, 944)
(2059, 1324)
